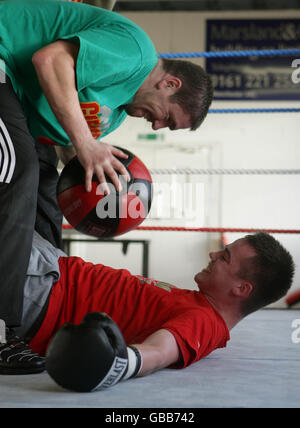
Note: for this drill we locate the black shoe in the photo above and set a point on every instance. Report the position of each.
(16, 358)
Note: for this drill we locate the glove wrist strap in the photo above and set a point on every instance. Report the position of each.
(134, 362)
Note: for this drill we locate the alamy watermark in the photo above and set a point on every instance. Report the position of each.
(296, 72)
(172, 201)
(296, 332)
(2, 332)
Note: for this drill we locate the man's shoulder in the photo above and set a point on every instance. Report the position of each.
(136, 32)
(145, 43)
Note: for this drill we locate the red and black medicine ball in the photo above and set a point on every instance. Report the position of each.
(105, 216)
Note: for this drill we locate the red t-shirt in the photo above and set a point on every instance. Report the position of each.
(139, 306)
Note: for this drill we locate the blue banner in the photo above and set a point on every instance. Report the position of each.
(253, 78)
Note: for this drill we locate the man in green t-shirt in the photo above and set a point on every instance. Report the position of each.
(70, 74)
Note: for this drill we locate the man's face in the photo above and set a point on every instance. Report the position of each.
(221, 274)
(155, 106)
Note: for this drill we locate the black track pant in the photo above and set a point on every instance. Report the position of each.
(48, 217)
(19, 187)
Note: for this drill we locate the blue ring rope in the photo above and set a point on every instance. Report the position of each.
(231, 54)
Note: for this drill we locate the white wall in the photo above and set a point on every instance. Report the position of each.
(227, 141)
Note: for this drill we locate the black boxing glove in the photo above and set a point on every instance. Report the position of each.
(91, 356)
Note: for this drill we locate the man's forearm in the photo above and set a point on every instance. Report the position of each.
(151, 359)
(158, 351)
(56, 73)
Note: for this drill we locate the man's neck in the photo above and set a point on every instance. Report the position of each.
(229, 315)
(155, 76)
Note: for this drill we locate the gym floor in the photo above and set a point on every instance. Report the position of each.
(259, 368)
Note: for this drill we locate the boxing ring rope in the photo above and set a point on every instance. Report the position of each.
(252, 110)
(216, 229)
(231, 54)
(228, 54)
(294, 297)
(196, 171)
(205, 229)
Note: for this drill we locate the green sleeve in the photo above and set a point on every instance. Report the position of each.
(107, 56)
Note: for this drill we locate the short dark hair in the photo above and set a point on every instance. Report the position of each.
(196, 93)
(271, 272)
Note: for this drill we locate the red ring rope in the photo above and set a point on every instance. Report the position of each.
(207, 229)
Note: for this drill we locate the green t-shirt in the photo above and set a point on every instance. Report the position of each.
(115, 57)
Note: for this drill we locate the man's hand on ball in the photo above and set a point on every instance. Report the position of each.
(100, 159)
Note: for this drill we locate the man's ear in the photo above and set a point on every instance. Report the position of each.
(243, 289)
(170, 82)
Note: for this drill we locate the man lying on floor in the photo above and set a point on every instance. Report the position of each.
(162, 325)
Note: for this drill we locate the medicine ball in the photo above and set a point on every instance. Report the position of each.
(105, 216)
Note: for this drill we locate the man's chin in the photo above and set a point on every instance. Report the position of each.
(200, 276)
(201, 281)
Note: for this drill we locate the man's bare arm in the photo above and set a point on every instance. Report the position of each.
(158, 351)
(55, 66)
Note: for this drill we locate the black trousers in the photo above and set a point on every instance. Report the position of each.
(28, 179)
(48, 216)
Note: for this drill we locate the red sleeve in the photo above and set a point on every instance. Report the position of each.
(195, 335)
